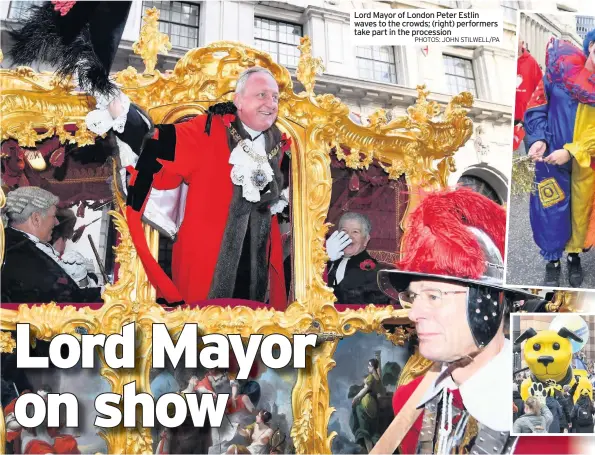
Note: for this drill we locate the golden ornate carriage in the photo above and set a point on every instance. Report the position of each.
(419, 145)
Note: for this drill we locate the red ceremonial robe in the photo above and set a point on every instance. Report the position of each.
(202, 161)
(525, 445)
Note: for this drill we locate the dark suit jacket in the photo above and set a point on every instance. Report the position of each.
(31, 276)
(359, 285)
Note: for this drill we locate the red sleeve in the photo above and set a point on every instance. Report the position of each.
(191, 141)
(179, 148)
(402, 394)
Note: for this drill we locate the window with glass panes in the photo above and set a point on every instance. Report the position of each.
(459, 75)
(376, 63)
(18, 10)
(179, 20)
(584, 24)
(280, 39)
(510, 8)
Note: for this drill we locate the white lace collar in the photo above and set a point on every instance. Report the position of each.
(251, 168)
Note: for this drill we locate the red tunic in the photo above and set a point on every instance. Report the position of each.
(202, 161)
(525, 445)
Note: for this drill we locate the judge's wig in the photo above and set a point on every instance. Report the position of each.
(24, 201)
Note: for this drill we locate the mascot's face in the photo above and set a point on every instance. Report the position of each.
(548, 355)
(440, 318)
(258, 103)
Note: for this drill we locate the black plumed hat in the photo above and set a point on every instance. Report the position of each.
(83, 41)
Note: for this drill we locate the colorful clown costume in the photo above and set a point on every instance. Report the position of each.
(562, 114)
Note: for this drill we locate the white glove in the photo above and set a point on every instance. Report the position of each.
(110, 112)
(336, 243)
(75, 265)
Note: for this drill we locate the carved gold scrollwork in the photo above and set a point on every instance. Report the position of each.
(308, 66)
(7, 343)
(151, 41)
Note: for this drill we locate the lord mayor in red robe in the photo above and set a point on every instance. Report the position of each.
(232, 159)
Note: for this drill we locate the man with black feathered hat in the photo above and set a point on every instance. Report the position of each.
(228, 244)
(451, 278)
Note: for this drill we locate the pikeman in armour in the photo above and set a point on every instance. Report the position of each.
(451, 278)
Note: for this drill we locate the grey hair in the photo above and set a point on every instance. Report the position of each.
(241, 84)
(27, 200)
(363, 220)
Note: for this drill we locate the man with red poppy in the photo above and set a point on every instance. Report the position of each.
(352, 272)
(228, 244)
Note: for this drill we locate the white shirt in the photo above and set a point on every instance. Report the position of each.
(486, 395)
(341, 270)
(259, 142)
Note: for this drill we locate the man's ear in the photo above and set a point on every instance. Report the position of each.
(35, 219)
(367, 240)
(237, 98)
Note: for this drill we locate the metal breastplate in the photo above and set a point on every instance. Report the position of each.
(468, 435)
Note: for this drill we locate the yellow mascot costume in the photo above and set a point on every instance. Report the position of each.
(549, 356)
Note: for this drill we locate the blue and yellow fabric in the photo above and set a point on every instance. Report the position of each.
(562, 113)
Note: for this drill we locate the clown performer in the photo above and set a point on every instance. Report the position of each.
(559, 124)
(451, 278)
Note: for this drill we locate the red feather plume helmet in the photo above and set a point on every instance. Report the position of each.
(458, 236)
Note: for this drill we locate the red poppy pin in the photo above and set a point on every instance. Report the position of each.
(368, 265)
(285, 142)
(227, 119)
(62, 280)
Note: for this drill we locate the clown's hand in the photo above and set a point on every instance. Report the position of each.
(537, 150)
(559, 157)
(336, 243)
